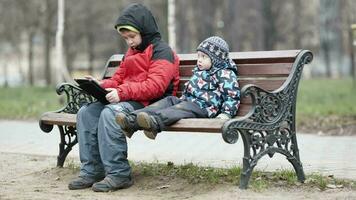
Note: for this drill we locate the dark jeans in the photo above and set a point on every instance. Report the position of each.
(171, 109)
(102, 145)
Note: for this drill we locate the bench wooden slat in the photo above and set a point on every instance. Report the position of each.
(266, 84)
(265, 70)
(246, 70)
(62, 119)
(265, 57)
(284, 56)
(243, 109)
(186, 70)
(198, 125)
(240, 58)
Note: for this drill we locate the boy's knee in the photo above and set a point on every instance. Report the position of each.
(107, 114)
(82, 112)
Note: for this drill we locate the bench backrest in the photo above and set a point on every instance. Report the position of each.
(266, 69)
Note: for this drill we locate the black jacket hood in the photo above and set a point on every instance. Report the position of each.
(141, 18)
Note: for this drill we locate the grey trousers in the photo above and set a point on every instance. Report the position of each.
(102, 145)
(171, 109)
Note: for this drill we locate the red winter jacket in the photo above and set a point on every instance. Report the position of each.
(149, 72)
(140, 78)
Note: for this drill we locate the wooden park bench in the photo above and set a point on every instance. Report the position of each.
(266, 117)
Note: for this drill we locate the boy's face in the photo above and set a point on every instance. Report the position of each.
(131, 38)
(204, 61)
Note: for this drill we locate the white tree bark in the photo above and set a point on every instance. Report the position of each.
(62, 70)
(172, 24)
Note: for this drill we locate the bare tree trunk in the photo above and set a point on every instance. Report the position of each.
(325, 47)
(351, 30)
(330, 36)
(30, 58)
(297, 4)
(183, 29)
(172, 24)
(298, 8)
(91, 52)
(89, 34)
(47, 42)
(70, 57)
(269, 25)
(47, 57)
(352, 55)
(189, 27)
(19, 61)
(62, 70)
(232, 22)
(6, 83)
(219, 21)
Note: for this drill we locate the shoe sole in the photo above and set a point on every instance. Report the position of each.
(143, 120)
(71, 187)
(120, 119)
(124, 186)
(80, 186)
(82, 183)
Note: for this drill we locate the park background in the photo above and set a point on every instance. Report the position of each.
(30, 69)
(30, 37)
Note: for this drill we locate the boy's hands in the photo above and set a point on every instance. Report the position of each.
(112, 96)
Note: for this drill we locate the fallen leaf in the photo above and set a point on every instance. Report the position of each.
(163, 187)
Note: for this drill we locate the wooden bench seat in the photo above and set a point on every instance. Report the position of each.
(190, 125)
(265, 120)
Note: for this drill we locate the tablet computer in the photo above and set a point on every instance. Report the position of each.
(93, 88)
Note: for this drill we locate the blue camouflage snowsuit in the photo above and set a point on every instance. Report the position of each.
(207, 94)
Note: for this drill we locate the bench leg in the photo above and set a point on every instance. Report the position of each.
(260, 143)
(295, 160)
(246, 173)
(247, 166)
(68, 136)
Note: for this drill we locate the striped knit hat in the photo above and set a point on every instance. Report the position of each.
(216, 48)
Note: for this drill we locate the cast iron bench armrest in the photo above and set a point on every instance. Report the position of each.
(75, 98)
(263, 115)
(270, 111)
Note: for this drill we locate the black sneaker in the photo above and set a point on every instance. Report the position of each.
(127, 123)
(81, 183)
(108, 184)
(149, 125)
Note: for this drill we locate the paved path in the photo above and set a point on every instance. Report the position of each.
(325, 154)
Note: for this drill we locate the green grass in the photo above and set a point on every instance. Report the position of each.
(192, 173)
(72, 164)
(325, 97)
(27, 102)
(260, 180)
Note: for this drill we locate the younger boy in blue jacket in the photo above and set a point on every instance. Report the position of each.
(212, 91)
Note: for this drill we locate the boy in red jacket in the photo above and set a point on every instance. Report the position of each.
(148, 72)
